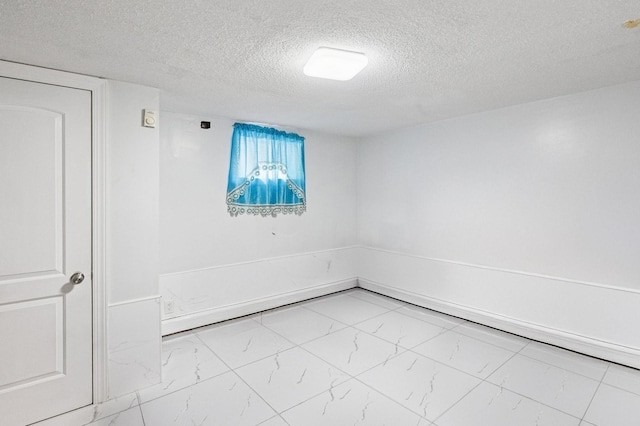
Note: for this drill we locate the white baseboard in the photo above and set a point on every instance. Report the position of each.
(211, 316)
(596, 348)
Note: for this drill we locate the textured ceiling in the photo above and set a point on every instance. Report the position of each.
(428, 60)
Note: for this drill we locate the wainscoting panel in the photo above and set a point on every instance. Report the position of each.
(216, 294)
(134, 345)
(590, 318)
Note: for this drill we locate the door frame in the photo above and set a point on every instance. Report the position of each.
(97, 87)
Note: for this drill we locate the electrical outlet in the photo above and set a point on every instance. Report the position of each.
(168, 306)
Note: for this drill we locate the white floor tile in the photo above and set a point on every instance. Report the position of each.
(426, 387)
(580, 364)
(224, 400)
(298, 324)
(114, 406)
(464, 353)
(93, 413)
(624, 378)
(435, 318)
(351, 403)
(498, 338)
(352, 350)
(491, 405)
(400, 329)
(130, 417)
(365, 359)
(561, 389)
(240, 342)
(290, 377)
(274, 421)
(346, 309)
(376, 299)
(615, 407)
(185, 361)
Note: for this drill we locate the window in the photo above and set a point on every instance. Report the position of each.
(266, 172)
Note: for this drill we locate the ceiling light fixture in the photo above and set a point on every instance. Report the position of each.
(335, 64)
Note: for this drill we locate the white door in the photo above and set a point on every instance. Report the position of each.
(45, 237)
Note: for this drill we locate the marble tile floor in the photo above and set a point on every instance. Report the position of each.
(359, 358)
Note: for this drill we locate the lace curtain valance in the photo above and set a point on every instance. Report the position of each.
(266, 172)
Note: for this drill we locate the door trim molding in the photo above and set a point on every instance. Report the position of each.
(97, 87)
(100, 301)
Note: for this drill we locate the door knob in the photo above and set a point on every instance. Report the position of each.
(77, 278)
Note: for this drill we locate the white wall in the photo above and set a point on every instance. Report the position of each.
(132, 176)
(525, 218)
(215, 266)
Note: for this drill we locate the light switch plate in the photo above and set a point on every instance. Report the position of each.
(149, 118)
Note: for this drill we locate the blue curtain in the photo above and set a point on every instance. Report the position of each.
(266, 172)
